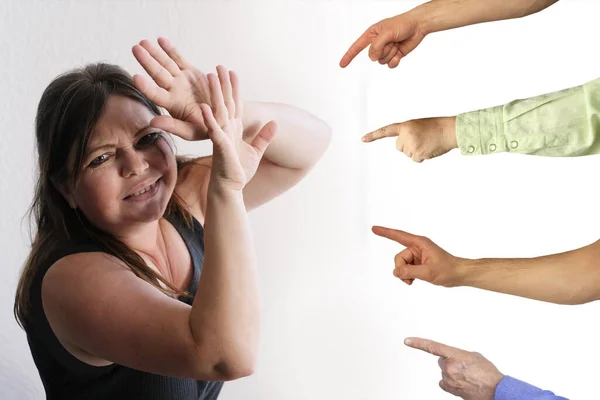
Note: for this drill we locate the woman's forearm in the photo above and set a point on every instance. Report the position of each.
(440, 15)
(225, 313)
(301, 137)
(572, 277)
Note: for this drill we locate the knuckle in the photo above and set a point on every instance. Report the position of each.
(398, 260)
(408, 127)
(443, 385)
(425, 240)
(400, 143)
(451, 368)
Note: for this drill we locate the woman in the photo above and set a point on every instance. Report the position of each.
(111, 296)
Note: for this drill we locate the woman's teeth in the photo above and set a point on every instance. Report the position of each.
(144, 190)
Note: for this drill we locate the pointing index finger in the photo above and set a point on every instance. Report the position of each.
(434, 348)
(386, 131)
(359, 45)
(404, 238)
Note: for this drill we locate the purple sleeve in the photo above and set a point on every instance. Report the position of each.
(513, 389)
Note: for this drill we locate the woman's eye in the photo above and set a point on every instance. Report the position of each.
(148, 139)
(99, 160)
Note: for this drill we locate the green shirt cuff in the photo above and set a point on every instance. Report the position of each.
(481, 132)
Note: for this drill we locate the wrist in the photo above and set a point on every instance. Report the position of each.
(497, 379)
(493, 384)
(449, 132)
(223, 192)
(464, 271)
(425, 18)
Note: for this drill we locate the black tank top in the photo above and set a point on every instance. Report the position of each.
(67, 378)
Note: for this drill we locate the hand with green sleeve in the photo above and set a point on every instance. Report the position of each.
(565, 123)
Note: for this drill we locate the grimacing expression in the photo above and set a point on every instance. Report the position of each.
(129, 169)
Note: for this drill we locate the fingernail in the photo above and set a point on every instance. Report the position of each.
(407, 342)
(364, 139)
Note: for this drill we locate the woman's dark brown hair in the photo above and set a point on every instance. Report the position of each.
(67, 113)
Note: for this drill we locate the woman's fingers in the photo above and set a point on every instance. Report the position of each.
(223, 148)
(161, 57)
(227, 90)
(214, 130)
(216, 99)
(183, 129)
(237, 98)
(151, 90)
(173, 53)
(159, 74)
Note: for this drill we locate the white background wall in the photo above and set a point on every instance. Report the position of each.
(333, 316)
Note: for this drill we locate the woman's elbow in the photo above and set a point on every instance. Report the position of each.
(234, 370)
(228, 361)
(321, 135)
(238, 358)
(325, 133)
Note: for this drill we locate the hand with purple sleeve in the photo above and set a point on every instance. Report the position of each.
(471, 376)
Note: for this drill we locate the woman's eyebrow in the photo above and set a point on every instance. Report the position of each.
(101, 147)
(142, 130)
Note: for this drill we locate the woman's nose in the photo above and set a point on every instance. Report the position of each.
(133, 162)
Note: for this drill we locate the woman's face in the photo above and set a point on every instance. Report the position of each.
(129, 170)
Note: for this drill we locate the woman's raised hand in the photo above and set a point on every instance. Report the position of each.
(178, 87)
(234, 161)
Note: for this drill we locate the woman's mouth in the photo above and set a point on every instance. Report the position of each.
(145, 193)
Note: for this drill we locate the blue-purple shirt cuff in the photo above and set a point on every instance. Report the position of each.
(510, 388)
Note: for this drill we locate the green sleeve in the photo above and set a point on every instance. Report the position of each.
(560, 124)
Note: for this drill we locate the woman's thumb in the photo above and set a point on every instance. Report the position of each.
(264, 137)
(215, 133)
